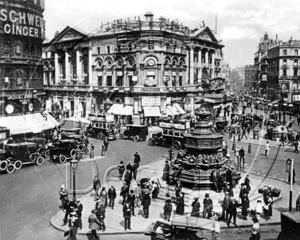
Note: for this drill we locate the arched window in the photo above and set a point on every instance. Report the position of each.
(18, 48)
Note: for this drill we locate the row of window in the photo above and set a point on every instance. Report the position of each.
(292, 51)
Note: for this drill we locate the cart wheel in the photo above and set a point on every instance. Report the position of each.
(10, 168)
(100, 136)
(73, 153)
(177, 145)
(3, 165)
(150, 142)
(41, 150)
(62, 159)
(47, 153)
(80, 147)
(136, 138)
(18, 164)
(33, 157)
(39, 161)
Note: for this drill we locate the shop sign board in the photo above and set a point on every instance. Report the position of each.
(170, 125)
(150, 101)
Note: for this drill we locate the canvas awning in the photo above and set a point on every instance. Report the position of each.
(177, 106)
(115, 109)
(126, 111)
(17, 125)
(171, 111)
(38, 120)
(152, 112)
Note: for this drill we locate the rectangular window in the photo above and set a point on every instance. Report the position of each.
(295, 71)
(284, 52)
(295, 62)
(99, 80)
(284, 61)
(108, 49)
(180, 80)
(98, 50)
(296, 52)
(284, 72)
(109, 81)
(151, 46)
(119, 81)
(131, 83)
(174, 81)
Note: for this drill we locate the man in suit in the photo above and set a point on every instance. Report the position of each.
(111, 197)
(232, 211)
(242, 157)
(79, 213)
(136, 164)
(124, 192)
(207, 206)
(127, 215)
(247, 183)
(94, 224)
(131, 200)
(68, 210)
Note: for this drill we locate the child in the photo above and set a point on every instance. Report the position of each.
(121, 169)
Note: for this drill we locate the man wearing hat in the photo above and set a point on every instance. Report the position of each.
(73, 224)
(68, 210)
(207, 206)
(94, 224)
(112, 196)
(127, 215)
(225, 205)
(232, 211)
(146, 201)
(124, 192)
(247, 183)
(63, 196)
(79, 213)
(136, 164)
(243, 191)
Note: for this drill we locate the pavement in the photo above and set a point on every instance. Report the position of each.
(114, 218)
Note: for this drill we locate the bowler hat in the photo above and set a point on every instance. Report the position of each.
(206, 195)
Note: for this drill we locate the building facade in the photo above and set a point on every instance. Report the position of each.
(140, 63)
(21, 36)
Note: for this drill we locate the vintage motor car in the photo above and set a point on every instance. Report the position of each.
(16, 155)
(63, 150)
(183, 227)
(135, 132)
(100, 128)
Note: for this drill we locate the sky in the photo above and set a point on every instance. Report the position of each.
(240, 23)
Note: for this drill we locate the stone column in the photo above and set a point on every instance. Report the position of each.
(199, 65)
(67, 65)
(45, 79)
(206, 58)
(90, 74)
(56, 68)
(191, 80)
(50, 78)
(186, 77)
(213, 65)
(78, 65)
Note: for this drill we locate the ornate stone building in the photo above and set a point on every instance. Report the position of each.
(140, 63)
(21, 36)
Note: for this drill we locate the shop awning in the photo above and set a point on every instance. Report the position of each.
(16, 124)
(177, 106)
(152, 112)
(171, 111)
(115, 109)
(32, 124)
(126, 111)
(39, 121)
(51, 119)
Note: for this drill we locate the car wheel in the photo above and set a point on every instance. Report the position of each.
(40, 161)
(41, 151)
(62, 159)
(73, 153)
(18, 164)
(10, 168)
(150, 142)
(100, 136)
(86, 151)
(33, 157)
(177, 145)
(80, 155)
(3, 165)
(47, 153)
(136, 138)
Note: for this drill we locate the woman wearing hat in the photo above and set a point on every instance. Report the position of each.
(180, 204)
(195, 208)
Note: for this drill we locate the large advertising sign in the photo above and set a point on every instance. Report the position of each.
(22, 23)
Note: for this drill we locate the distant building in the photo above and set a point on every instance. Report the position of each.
(250, 78)
(138, 63)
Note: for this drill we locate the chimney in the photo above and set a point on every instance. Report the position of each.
(276, 38)
(149, 16)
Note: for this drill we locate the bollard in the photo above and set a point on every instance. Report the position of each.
(249, 148)
(103, 151)
(239, 137)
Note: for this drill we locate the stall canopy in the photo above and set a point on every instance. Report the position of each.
(177, 106)
(51, 119)
(116, 109)
(171, 111)
(38, 120)
(127, 110)
(32, 125)
(152, 112)
(17, 125)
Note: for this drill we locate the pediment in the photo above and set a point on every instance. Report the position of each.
(206, 34)
(69, 33)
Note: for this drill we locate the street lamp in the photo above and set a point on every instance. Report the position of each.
(74, 164)
(171, 150)
(290, 169)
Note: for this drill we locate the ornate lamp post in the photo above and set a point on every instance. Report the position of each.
(171, 150)
(74, 164)
(290, 169)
